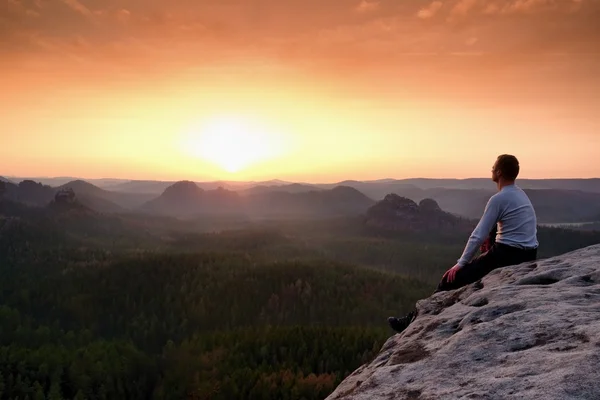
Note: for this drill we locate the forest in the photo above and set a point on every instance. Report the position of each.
(102, 307)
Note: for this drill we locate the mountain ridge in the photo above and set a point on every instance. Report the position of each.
(553, 206)
(585, 184)
(186, 198)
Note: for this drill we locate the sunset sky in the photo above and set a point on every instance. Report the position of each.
(307, 90)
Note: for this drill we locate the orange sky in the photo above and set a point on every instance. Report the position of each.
(306, 90)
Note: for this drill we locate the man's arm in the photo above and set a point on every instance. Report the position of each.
(484, 227)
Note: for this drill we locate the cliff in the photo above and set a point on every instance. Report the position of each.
(530, 331)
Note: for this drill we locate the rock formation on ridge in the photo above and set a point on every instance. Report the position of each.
(399, 214)
(530, 331)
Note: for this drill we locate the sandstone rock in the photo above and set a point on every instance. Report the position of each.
(399, 214)
(530, 331)
(65, 196)
(429, 205)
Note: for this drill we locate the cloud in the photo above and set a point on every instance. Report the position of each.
(367, 6)
(33, 13)
(529, 6)
(430, 11)
(77, 6)
(296, 32)
(462, 9)
(491, 9)
(123, 15)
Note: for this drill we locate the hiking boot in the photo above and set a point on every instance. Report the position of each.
(400, 324)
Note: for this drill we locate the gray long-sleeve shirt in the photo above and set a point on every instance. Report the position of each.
(512, 210)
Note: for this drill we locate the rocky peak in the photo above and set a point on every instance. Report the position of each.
(394, 206)
(183, 189)
(429, 205)
(65, 196)
(397, 202)
(527, 331)
(65, 200)
(397, 213)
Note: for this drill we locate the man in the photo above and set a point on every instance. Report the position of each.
(514, 240)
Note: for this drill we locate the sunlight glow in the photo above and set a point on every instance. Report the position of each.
(232, 142)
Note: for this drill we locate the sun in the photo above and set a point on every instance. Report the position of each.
(231, 142)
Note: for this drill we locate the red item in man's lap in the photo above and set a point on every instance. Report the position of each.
(489, 242)
(486, 246)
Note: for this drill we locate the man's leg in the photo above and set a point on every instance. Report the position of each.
(400, 324)
(470, 273)
(498, 256)
(473, 271)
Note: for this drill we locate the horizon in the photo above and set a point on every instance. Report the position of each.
(306, 91)
(17, 179)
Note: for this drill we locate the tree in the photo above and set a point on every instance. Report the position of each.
(54, 393)
(38, 393)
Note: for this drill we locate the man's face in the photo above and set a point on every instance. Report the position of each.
(495, 174)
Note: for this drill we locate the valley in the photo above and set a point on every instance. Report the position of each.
(178, 301)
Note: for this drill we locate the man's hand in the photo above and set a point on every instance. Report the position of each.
(450, 275)
(485, 246)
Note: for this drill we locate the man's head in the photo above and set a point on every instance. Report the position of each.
(506, 167)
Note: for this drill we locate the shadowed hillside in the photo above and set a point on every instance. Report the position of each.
(341, 200)
(399, 214)
(105, 200)
(186, 199)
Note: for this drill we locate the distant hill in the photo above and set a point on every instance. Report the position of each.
(31, 193)
(469, 203)
(6, 180)
(36, 194)
(290, 188)
(83, 188)
(341, 200)
(53, 182)
(375, 190)
(8, 190)
(99, 204)
(142, 187)
(60, 181)
(551, 205)
(379, 188)
(157, 187)
(186, 199)
(400, 214)
(68, 204)
(586, 185)
(106, 200)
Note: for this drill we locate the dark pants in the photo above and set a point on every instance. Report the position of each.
(500, 255)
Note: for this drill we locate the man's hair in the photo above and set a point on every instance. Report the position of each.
(508, 165)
